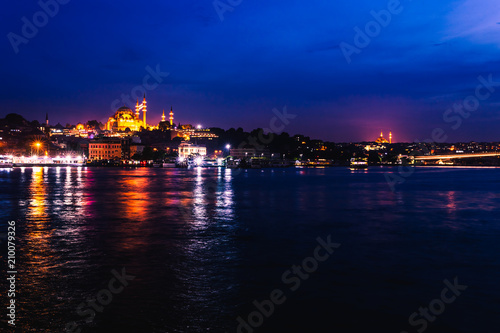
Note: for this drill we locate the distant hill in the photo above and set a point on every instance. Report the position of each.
(17, 122)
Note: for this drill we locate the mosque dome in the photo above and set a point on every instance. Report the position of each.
(124, 109)
(124, 118)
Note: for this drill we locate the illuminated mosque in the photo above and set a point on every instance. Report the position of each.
(124, 118)
(165, 125)
(381, 138)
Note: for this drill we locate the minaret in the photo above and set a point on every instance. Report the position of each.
(137, 109)
(47, 120)
(171, 117)
(144, 111)
(163, 116)
(390, 137)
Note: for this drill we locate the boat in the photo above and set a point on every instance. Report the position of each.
(358, 163)
(168, 164)
(6, 161)
(31, 161)
(233, 164)
(212, 162)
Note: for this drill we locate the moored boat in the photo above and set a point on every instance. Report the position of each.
(233, 164)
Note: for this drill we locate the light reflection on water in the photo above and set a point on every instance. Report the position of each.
(204, 243)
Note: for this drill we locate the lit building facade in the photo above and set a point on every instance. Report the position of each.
(197, 133)
(187, 149)
(106, 150)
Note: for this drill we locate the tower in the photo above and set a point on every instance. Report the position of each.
(137, 109)
(171, 117)
(46, 120)
(144, 109)
(163, 116)
(390, 137)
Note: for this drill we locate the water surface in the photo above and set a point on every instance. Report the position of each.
(203, 244)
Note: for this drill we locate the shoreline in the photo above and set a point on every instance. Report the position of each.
(212, 167)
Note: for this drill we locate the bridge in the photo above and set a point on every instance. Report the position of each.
(453, 156)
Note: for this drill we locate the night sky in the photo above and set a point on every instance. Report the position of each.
(262, 55)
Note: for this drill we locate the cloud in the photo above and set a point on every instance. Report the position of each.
(475, 20)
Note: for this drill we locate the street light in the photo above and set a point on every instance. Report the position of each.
(37, 145)
(228, 147)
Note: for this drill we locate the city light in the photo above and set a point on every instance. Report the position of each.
(36, 145)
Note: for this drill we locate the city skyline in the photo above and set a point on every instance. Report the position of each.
(232, 68)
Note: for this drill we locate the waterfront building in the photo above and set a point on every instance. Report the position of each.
(130, 146)
(135, 149)
(109, 149)
(187, 149)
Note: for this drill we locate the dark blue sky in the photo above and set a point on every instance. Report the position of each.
(262, 55)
